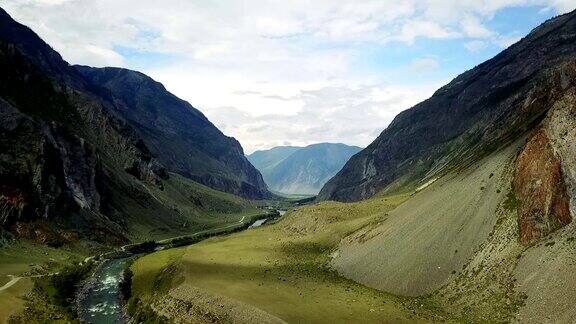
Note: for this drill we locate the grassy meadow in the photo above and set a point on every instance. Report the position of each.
(25, 259)
(280, 269)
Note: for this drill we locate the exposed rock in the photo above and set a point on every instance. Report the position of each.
(561, 129)
(419, 244)
(540, 189)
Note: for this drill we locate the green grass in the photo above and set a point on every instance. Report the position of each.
(12, 300)
(21, 259)
(181, 206)
(292, 197)
(282, 268)
(24, 259)
(52, 297)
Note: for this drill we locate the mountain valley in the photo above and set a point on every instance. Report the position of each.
(301, 170)
(122, 203)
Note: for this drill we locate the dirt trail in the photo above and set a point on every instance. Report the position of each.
(15, 279)
(10, 283)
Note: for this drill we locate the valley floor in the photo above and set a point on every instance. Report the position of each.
(453, 246)
(31, 262)
(274, 273)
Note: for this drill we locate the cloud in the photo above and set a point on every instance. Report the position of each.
(424, 65)
(506, 41)
(475, 45)
(426, 29)
(354, 114)
(473, 28)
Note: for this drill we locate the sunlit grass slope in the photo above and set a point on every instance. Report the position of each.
(280, 269)
(25, 259)
(180, 207)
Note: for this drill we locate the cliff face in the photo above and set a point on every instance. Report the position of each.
(58, 140)
(543, 203)
(179, 135)
(479, 111)
(545, 178)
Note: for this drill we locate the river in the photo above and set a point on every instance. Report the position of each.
(100, 300)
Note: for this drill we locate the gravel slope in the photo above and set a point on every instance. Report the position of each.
(427, 240)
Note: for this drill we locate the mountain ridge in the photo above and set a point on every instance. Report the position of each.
(178, 134)
(481, 109)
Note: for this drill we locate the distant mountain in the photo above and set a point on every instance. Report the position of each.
(301, 170)
(86, 153)
(265, 161)
(177, 134)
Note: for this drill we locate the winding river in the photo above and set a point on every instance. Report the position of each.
(100, 301)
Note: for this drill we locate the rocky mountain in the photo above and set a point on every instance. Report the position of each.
(485, 170)
(75, 162)
(266, 160)
(179, 135)
(512, 95)
(301, 170)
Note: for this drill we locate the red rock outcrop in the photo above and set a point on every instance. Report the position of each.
(543, 202)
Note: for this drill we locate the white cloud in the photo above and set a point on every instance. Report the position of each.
(475, 45)
(563, 6)
(506, 41)
(426, 29)
(423, 65)
(343, 113)
(473, 28)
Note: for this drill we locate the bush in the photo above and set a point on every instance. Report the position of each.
(126, 283)
(58, 291)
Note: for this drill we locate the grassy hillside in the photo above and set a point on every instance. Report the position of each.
(452, 245)
(25, 260)
(278, 272)
(179, 207)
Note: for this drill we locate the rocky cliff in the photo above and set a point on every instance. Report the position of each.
(479, 111)
(179, 135)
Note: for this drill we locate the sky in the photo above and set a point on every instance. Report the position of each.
(292, 72)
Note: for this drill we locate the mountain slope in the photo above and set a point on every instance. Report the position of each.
(70, 165)
(484, 108)
(497, 211)
(305, 170)
(267, 160)
(179, 135)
